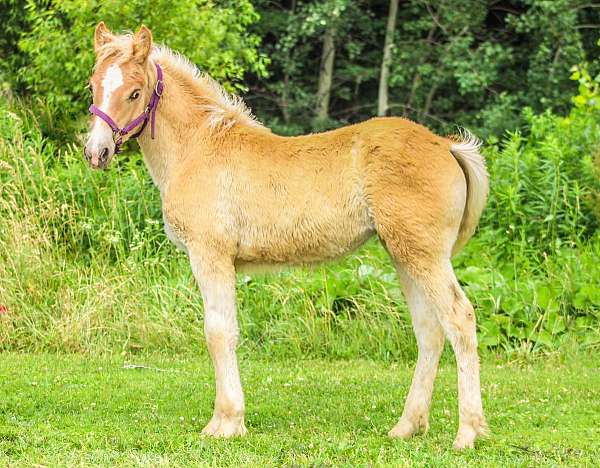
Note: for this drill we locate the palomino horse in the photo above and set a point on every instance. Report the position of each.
(235, 195)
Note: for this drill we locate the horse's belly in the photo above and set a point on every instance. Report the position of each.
(303, 239)
(173, 237)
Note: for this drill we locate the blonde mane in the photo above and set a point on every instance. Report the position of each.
(222, 109)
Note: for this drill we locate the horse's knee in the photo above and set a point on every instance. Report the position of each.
(459, 318)
(221, 333)
(430, 341)
(467, 327)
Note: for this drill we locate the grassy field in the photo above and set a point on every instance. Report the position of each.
(74, 410)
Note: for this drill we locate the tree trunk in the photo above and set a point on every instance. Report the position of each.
(382, 105)
(285, 101)
(326, 74)
(424, 112)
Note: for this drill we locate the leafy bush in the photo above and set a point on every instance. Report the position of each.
(532, 268)
(57, 43)
(544, 183)
(589, 87)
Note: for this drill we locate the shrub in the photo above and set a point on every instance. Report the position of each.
(544, 182)
(57, 44)
(532, 268)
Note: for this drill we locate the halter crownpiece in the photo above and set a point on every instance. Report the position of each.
(148, 114)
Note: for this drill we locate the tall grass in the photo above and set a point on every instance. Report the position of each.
(85, 266)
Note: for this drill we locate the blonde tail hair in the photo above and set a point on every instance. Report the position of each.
(467, 151)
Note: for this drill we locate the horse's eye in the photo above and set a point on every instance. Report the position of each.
(134, 95)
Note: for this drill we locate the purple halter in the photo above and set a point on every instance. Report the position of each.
(148, 114)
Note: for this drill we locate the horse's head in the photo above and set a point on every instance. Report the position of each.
(122, 85)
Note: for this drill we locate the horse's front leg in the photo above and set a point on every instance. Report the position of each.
(215, 275)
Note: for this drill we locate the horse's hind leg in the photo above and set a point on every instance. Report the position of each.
(430, 342)
(418, 221)
(457, 317)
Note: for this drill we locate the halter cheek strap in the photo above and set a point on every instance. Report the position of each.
(148, 114)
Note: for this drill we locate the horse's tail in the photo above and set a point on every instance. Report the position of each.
(467, 151)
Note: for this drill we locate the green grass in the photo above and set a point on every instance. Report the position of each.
(73, 410)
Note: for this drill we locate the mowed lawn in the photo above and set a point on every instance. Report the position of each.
(75, 410)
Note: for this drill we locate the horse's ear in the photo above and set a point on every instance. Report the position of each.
(142, 44)
(102, 36)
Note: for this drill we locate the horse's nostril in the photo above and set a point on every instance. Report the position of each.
(104, 155)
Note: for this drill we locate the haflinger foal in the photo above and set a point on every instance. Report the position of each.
(235, 195)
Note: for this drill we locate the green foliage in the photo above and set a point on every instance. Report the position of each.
(291, 35)
(539, 235)
(58, 54)
(544, 184)
(14, 24)
(589, 88)
(85, 265)
(454, 61)
(465, 62)
(552, 27)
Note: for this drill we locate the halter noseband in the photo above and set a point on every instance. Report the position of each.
(148, 114)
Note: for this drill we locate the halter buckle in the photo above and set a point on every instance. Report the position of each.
(156, 86)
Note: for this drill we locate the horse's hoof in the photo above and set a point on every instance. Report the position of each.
(221, 426)
(468, 433)
(405, 429)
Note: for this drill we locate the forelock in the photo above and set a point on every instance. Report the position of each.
(120, 48)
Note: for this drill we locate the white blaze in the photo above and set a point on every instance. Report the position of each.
(111, 82)
(101, 134)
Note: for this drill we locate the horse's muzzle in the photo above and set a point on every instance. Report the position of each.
(99, 157)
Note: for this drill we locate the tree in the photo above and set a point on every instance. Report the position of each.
(326, 74)
(329, 15)
(382, 106)
(56, 44)
(468, 62)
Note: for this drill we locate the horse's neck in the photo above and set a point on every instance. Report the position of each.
(158, 154)
(172, 134)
